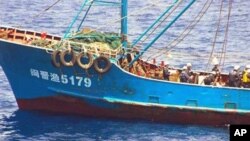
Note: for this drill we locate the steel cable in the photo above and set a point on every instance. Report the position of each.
(223, 54)
(188, 29)
(216, 35)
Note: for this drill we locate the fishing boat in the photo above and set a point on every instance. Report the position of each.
(70, 75)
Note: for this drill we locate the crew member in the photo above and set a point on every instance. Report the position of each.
(166, 72)
(184, 76)
(246, 77)
(235, 77)
(133, 68)
(216, 68)
(158, 73)
(189, 69)
(124, 62)
(139, 69)
(3, 34)
(210, 79)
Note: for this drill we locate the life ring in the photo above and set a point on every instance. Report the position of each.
(97, 64)
(54, 61)
(68, 63)
(84, 65)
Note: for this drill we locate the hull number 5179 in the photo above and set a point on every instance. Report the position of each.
(64, 79)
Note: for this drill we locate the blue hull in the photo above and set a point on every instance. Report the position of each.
(38, 85)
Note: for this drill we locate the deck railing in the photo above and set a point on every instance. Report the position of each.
(26, 37)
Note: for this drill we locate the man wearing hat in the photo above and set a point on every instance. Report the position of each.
(210, 79)
(246, 77)
(184, 76)
(235, 77)
(189, 67)
(216, 68)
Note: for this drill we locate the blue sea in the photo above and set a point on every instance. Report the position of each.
(195, 48)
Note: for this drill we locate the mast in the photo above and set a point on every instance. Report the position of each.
(124, 23)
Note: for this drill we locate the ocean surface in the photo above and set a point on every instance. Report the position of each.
(195, 48)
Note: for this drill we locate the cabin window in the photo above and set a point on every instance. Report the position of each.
(29, 33)
(230, 105)
(192, 103)
(57, 38)
(38, 34)
(153, 99)
(20, 31)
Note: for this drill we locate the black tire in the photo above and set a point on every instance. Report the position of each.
(68, 63)
(54, 61)
(87, 65)
(97, 63)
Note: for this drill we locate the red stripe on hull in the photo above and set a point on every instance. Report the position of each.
(70, 105)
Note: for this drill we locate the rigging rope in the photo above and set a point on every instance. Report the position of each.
(45, 10)
(138, 48)
(216, 35)
(86, 13)
(223, 54)
(40, 13)
(66, 34)
(155, 28)
(133, 13)
(163, 31)
(188, 29)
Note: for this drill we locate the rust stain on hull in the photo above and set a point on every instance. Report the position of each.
(70, 105)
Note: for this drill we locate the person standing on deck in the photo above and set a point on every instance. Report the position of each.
(190, 73)
(216, 68)
(124, 64)
(189, 69)
(215, 62)
(139, 68)
(234, 79)
(246, 77)
(184, 76)
(210, 79)
(166, 72)
(217, 71)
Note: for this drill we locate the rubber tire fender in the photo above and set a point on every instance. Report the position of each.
(54, 55)
(69, 63)
(96, 64)
(87, 65)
